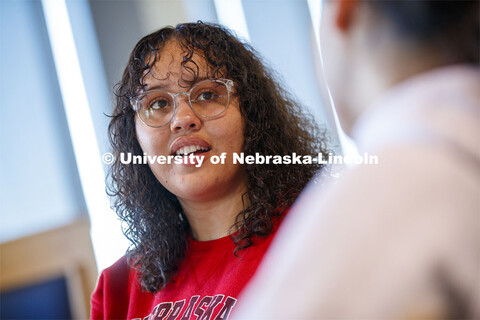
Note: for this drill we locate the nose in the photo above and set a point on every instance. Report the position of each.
(184, 118)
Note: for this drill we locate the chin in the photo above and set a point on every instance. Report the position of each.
(199, 193)
(195, 184)
(188, 185)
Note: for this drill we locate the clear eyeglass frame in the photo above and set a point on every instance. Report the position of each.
(136, 102)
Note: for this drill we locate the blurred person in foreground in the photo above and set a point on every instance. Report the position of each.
(198, 229)
(397, 240)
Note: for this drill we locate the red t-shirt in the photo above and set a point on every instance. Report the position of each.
(206, 285)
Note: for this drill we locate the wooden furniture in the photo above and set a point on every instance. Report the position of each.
(62, 252)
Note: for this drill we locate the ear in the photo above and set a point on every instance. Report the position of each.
(345, 10)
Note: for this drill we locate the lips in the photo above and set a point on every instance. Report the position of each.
(188, 144)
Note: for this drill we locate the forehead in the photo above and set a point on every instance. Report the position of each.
(168, 68)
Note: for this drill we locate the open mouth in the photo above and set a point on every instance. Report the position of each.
(195, 149)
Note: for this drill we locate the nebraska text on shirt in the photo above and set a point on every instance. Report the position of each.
(205, 309)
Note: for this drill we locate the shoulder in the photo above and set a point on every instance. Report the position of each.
(112, 287)
(118, 269)
(410, 183)
(116, 276)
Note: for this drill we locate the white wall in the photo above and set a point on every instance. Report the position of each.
(39, 182)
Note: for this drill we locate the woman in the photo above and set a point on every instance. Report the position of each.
(198, 229)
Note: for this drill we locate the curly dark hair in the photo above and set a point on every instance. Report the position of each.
(275, 124)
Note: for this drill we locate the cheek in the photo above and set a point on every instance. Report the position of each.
(153, 141)
(232, 133)
(142, 135)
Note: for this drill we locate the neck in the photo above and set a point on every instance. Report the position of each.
(213, 219)
(381, 72)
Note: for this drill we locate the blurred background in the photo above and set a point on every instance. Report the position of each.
(60, 60)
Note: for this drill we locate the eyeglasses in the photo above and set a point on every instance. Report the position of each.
(208, 99)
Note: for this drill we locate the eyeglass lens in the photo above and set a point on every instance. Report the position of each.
(207, 99)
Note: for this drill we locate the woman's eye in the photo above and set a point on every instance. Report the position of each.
(159, 104)
(208, 95)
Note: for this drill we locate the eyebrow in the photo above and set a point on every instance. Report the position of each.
(161, 87)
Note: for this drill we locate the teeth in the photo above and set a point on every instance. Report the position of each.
(189, 149)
